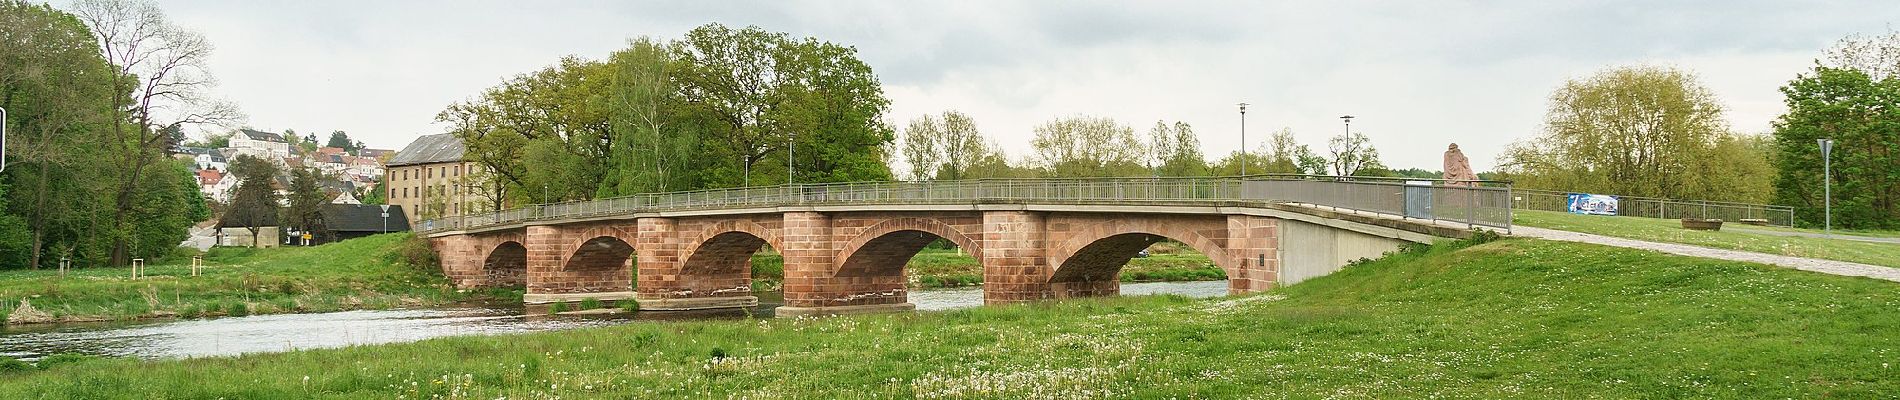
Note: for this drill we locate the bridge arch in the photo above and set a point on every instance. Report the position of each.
(719, 260)
(600, 253)
(1089, 263)
(884, 248)
(506, 265)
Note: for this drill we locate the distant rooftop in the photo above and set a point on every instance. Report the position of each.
(430, 149)
(261, 135)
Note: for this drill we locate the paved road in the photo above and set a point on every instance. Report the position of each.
(1804, 264)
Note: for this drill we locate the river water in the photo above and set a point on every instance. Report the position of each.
(286, 332)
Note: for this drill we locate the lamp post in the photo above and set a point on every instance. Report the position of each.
(3, 139)
(1827, 185)
(790, 145)
(1243, 139)
(1348, 119)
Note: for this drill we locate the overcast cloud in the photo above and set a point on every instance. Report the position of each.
(1419, 75)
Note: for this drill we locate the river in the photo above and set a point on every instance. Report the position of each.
(286, 332)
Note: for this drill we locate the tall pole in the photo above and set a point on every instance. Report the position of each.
(1348, 119)
(1827, 185)
(1243, 139)
(3, 139)
(791, 144)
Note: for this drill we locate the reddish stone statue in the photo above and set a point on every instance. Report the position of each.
(1458, 168)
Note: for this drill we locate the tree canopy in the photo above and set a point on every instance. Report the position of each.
(1639, 131)
(721, 107)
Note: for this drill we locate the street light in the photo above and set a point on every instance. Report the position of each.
(3, 139)
(1348, 119)
(1243, 139)
(1827, 185)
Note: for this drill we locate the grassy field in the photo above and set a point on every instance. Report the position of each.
(1730, 237)
(940, 268)
(1517, 318)
(353, 274)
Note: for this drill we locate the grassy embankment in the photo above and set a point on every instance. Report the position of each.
(940, 268)
(1516, 318)
(1733, 236)
(353, 274)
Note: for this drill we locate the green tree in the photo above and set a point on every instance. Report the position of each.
(945, 148)
(341, 140)
(1638, 131)
(305, 210)
(59, 94)
(1176, 150)
(1088, 147)
(379, 194)
(161, 66)
(1352, 153)
(1862, 115)
(254, 203)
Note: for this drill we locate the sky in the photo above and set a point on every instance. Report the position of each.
(1417, 75)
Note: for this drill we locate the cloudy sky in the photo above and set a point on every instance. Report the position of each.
(1417, 74)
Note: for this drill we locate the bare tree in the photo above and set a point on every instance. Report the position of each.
(1352, 152)
(163, 83)
(1878, 56)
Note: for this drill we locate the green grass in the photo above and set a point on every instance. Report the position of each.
(1516, 318)
(352, 274)
(941, 268)
(1731, 236)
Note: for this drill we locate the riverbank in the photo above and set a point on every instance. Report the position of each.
(1516, 318)
(364, 273)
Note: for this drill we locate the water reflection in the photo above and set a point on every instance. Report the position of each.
(272, 333)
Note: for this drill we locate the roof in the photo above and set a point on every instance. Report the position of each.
(261, 135)
(209, 177)
(428, 149)
(362, 218)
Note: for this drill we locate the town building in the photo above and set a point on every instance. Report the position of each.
(260, 144)
(430, 179)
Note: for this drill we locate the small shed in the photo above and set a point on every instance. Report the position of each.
(350, 221)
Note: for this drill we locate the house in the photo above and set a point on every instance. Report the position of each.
(345, 198)
(212, 160)
(375, 154)
(350, 221)
(262, 144)
(216, 185)
(430, 177)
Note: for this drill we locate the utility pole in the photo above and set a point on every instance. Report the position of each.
(1243, 139)
(1827, 185)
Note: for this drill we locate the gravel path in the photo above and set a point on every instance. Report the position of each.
(1817, 235)
(1805, 264)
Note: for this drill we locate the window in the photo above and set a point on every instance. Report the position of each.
(431, 173)
(392, 193)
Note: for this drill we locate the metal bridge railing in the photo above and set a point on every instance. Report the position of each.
(1636, 206)
(1485, 204)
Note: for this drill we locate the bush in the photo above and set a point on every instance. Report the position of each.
(416, 252)
(590, 303)
(51, 361)
(10, 365)
(557, 308)
(631, 305)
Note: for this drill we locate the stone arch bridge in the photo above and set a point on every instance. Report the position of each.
(845, 246)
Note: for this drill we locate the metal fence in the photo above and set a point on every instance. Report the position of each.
(1637, 206)
(1474, 206)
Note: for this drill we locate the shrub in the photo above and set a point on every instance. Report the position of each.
(590, 303)
(557, 308)
(11, 365)
(416, 252)
(51, 361)
(631, 305)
